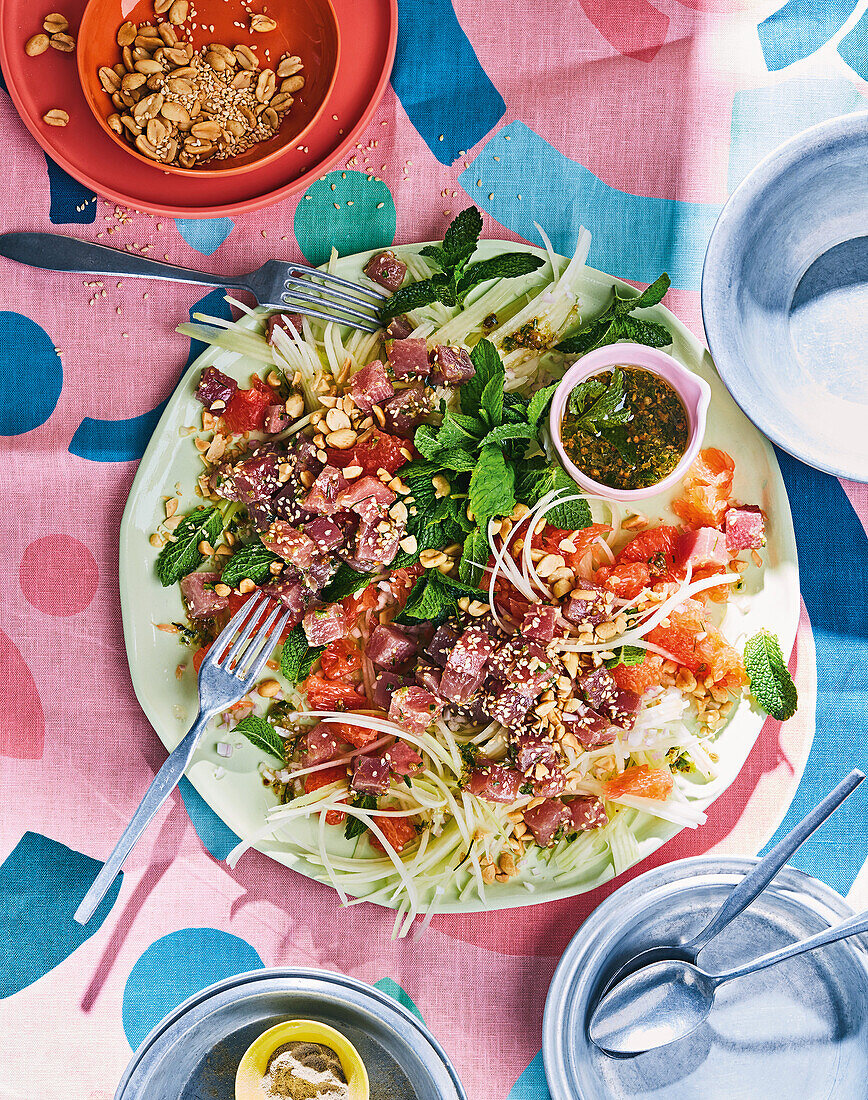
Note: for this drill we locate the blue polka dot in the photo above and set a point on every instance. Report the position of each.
(32, 371)
(204, 234)
(400, 995)
(41, 885)
(347, 217)
(532, 1084)
(71, 202)
(217, 837)
(126, 440)
(175, 967)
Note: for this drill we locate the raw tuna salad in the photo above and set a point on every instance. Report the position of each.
(485, 668)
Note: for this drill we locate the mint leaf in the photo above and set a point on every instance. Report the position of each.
(627, 655)
(588, 337)
(504, 432)
(573, 515)
(457, 460)
(251, 561)
(492, 486)
(262, 734)
(599, 406)
(539, 403)
(488, 365)
(414, 295)
(770, 681)
(355, 825)
(345, 582)
(491, 401)
(633, 329)
(474, 557)
(651, 296)
(509, 265)
(430, 599)
(436, 253)
(455, 432)
(537, 477)
(584, 395)
(462, 236)
(425, 441)
(182, 556)
(296, 656)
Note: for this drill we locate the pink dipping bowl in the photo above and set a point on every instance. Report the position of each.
(694, 392)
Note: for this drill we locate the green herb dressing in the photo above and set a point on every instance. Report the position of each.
(641, 450)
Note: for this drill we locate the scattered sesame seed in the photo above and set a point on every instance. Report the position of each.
(440, 138)
(491, 196)
(350, 202)
(380, 205)
(336, 205)
(479, 183)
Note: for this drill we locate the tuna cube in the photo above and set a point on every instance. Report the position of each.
(289, 543)
(385, 684)
(370, 386)
(602, 692)
(414, 708)
(702, 546)
(407, 408)
(745, 529)
(319, 745)
(399, 328)
(496, 783)
(591, 728)
(442, 644)
(276, 419)
(199, 595)
(324, 625)
(587, 813)
(451, 365)
(587, 606)
(360, 495)
(283, 321)
(545, 820)
(388, 646)
(249, 479)
(292, 593)
(465, 665)
(370, 775)
(386, 269)
(531, 750)
(509, 706)
(403, 759)
(213, 386)
(408, 357)
(323, 495)
(429, 677)
(325, 533)
(374, 549)
(554, 782)
(540, 623)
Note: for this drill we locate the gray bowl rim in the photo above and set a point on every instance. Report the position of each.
(715, 295)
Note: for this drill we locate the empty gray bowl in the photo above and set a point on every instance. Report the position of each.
(785, 296)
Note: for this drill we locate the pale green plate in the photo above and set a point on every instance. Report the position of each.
(233, 788)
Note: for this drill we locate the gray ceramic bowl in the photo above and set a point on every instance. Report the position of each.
(785, 296)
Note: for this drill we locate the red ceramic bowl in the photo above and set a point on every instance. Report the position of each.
(308, 28)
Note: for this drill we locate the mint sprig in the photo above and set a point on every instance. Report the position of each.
(262, 734)
(615, 323)
(182, 556)
(770, 681)
(457, 276)
(252, 561)
(297, 657)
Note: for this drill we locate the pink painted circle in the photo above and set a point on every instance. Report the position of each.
(58, 575)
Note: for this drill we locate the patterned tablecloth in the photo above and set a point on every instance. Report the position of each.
(632, 117)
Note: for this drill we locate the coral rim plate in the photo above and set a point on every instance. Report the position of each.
(233, 788)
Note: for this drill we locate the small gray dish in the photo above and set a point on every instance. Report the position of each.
(785, 296)
(193, 1054)
(797, 1030)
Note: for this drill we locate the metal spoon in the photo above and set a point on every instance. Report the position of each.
(667, 1000)
(750, 887)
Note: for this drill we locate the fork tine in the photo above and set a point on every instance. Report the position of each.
(336, 310)
(270, 641)
(225, 635)
(246, 631)
(331, 294)
(371, 291)
(364, 326)
(246, 646)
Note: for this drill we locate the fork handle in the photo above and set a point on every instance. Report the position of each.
(162, 785)
(56, 252)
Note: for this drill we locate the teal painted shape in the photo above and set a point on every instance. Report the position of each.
(354, 225)
(532, 1084)
(799, 28)
(635, 237)
(853, 48)
(32, 374)
(175, 967)
(41, 885)
(763, 118)
(204, 234)
(217, 837)
(387, 985)
(126, 440)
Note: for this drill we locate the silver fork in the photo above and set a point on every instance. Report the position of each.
(221, 683)
(278, 284)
